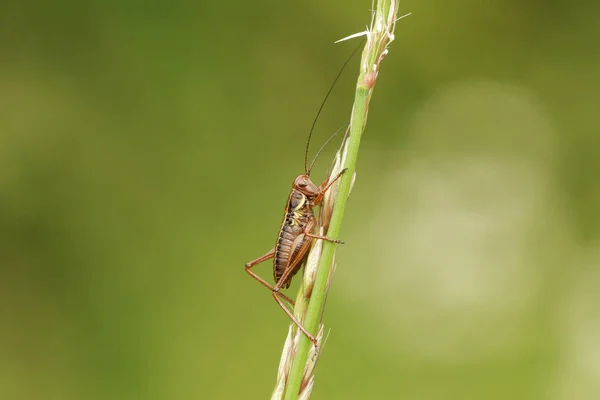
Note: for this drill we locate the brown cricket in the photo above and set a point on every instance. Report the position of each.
(296, 232)
(294, 239)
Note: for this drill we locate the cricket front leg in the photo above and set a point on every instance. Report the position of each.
(326, 185)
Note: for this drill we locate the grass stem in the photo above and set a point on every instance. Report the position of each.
(298, 364)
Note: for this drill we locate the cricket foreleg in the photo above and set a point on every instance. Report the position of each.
(326, 185)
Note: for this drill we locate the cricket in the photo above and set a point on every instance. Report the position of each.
(295, 235)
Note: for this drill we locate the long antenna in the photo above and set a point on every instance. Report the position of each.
(324, 145)
(306, 169)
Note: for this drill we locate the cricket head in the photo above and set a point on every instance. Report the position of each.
(306, 186)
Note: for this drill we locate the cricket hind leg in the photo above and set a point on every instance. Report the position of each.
(276, 295)
(284, 280)
(275, 290)
(249, 265)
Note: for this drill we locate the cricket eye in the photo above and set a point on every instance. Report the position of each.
(302, 184)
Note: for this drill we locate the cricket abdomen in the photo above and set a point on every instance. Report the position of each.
(291, 240)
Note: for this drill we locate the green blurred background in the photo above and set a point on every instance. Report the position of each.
(147, 149)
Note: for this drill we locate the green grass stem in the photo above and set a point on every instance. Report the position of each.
(379, 35)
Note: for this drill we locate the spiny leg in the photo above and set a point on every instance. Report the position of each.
(268, 255)
(308, 228)
(298, 324)
(249, 265)
(323, 238)
(328, 185)
(291, 264)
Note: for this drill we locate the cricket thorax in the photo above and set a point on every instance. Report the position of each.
(297, 200)
(296, 211)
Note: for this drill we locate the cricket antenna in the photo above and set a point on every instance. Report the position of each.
(325, 144)
(306, 169)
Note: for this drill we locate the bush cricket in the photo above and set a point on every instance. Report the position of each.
(295, 234)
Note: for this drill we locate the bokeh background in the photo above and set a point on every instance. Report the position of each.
(147, 149)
